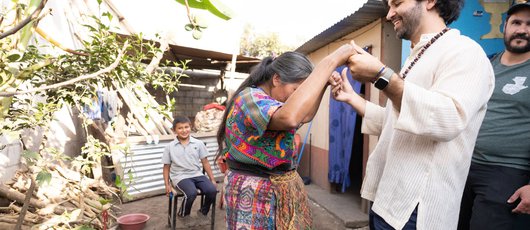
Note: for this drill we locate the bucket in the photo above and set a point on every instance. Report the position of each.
(134, 221)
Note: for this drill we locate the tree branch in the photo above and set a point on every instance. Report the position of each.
(72, 81)
(56, 43)
(164, 44)
(121, 18)
(22, 213)
(24, 22)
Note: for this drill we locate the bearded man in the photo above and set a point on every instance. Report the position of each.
(497, 192)
(416, 174)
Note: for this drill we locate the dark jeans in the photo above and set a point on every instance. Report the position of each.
(484, 203)
(378, 223)
(189, 188)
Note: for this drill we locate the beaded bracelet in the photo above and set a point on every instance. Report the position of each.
(378, 74)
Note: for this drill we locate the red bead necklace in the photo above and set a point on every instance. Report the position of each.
(433, 39)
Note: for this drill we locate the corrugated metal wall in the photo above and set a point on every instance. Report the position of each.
(144, 164)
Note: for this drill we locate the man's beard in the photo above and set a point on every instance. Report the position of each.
(409, 22)
(517, 49)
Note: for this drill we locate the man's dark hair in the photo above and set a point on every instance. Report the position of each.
(180, 119)
(449, 10)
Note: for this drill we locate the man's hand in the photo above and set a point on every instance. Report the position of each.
(363, 66)
(522, 193)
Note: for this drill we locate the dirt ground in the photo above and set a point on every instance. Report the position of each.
(157, 208)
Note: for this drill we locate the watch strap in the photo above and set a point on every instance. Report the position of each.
(383, 81)
(387, 74)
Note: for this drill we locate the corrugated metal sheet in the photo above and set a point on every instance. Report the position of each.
(144, 164)
(368, 13)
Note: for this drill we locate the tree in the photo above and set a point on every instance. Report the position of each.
(34, 85)
(261, 45)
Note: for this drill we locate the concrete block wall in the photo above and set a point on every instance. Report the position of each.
(190, 100)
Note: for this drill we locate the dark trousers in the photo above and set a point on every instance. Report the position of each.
(378, 223)
(189, 188)
(484, 203)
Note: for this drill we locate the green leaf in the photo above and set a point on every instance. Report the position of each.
(197, 4)
(108, 15)
(26, 32)
(200, 21)
(118, 181)
(84, 227)
(197, 34)
(30, 155)
(188, 27)
(14, 56)
(104, 201)
(217, 8)
(44, 176)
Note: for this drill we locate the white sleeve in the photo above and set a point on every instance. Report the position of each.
(461, 87)
(373, 120)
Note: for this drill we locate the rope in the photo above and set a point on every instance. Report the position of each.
(303, 144)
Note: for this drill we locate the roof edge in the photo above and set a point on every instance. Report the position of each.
(366, 14)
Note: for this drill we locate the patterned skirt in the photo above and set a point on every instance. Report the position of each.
(261, 203)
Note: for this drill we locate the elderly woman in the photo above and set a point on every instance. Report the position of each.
(256, 138)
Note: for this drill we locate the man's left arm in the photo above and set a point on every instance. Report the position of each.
(461, 86)
(523, 194)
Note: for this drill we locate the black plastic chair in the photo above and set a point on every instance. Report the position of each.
(173, 206)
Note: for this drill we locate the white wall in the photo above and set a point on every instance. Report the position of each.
(9, 157)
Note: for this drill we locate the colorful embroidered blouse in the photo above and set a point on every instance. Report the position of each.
(248, 141)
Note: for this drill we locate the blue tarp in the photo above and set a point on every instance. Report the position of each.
(342, 118)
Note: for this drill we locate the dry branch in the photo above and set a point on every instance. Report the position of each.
(12, 194)
(24, 22)
(4, 225)
(79, 197)
(56, 43)
(25, 206)
(121, 18)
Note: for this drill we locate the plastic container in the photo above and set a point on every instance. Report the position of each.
(134, 221)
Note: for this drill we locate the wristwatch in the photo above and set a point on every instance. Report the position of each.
(382, 82)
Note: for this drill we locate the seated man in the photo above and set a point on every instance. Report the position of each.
(181, 164)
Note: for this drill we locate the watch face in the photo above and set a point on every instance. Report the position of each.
(381, 83)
